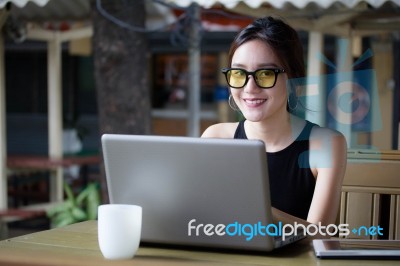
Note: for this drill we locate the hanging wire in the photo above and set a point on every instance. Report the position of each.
(178, 32)
(119, 22)
(179, 29)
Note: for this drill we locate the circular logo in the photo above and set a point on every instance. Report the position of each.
(349, 103)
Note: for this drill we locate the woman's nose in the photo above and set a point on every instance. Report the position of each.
(251, 85)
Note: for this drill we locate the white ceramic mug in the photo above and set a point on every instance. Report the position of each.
(119, 230)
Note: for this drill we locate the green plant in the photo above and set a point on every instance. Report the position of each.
(76, 208)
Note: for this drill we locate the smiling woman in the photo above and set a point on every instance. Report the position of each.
(306, 163)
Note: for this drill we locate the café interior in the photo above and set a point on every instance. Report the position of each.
(351, 47)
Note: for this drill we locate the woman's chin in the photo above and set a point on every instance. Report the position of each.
(253, 117)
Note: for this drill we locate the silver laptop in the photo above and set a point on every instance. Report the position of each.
(194, 192)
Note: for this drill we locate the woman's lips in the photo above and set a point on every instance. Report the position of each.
(254, 102)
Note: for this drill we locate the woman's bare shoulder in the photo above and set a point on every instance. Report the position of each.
(328, 148)
(322, 133)
(221, 130)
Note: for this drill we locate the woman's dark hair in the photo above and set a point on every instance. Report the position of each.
(282, 39)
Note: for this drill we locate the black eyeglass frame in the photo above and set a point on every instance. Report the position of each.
(252, 73)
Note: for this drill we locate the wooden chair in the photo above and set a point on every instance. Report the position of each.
(371, 194)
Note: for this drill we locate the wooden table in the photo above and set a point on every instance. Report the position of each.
(46, 163)
(77, 245)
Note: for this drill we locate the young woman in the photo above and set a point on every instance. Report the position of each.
(306, 162)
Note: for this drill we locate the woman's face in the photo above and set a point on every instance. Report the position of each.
(255, 103)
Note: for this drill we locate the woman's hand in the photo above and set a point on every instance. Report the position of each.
(285, 218)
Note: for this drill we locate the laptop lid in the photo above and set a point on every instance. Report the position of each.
(194, 191)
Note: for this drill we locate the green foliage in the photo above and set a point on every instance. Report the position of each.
(76, 208)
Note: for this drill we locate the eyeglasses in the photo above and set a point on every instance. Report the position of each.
(265, 77)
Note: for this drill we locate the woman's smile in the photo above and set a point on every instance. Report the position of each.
(254, 102)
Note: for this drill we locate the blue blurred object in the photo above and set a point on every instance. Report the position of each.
(221, 93)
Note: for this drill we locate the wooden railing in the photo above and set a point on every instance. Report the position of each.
(371, 193)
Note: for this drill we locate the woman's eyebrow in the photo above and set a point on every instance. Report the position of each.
(266, 65)
(238, 65)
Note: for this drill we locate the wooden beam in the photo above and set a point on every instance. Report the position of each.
(75, 34)
(301, 24)
(365, 33)
(39, 34)
(328, 21)
(377, 26)
(343, 30)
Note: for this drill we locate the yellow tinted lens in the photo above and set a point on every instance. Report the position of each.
(236, 78)
(265, 78)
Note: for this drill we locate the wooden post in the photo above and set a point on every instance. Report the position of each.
(343, 88)
(314, 91)
(4, 13)
(3, 142)
(54, 41)
(55, 114)
(193, 120)
(382, 120)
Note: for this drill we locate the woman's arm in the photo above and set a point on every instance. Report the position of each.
(328, 158)
(285, 218)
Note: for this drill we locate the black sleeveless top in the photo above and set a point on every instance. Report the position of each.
(291, 180)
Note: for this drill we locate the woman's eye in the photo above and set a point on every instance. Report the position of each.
(238, 73)
(266, 73)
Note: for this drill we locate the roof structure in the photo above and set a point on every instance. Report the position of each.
(337, 17)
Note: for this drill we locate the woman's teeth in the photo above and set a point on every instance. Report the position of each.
(254, 101)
